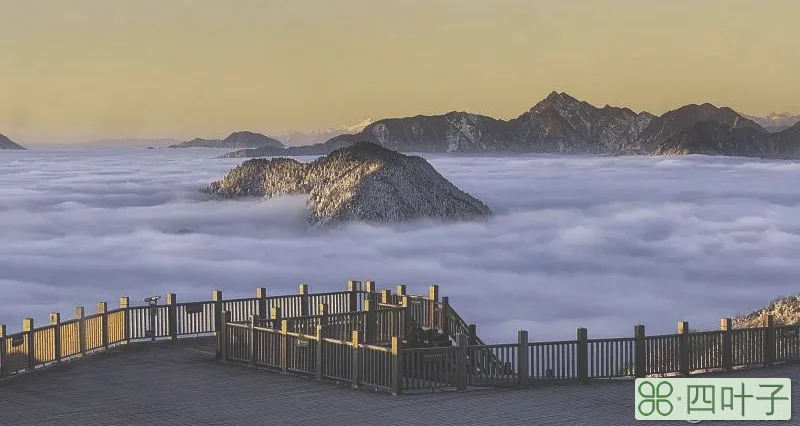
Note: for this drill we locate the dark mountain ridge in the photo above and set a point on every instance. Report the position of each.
(243, 139)
(6, 143)
(562, 124)
(673, 123)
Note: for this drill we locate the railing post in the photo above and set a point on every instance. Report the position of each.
(303, 300)
(219, 322)
(102, 309)
(80, 313)
(399, 323)
(408, 333)
(251, 343)
(222, 336)
(320, 345)
(370, 325)
(352, 288)
(444, 309)
(284, 346)
(683, 347)
(433, 300)
(639, 351)
(473, 334)
(261, 295)
(523, 367)
(275, 317)
(216, 297)
(356, 367)
(726, 325)
(472, 340)
(28, 327)
(583, 356)
(124, 304)
(172, 315)
(461, 363)
(369, 287)
(769, 340)
(3, 350)
(323, 314)
(386, 298)
(55, 321)
(397, 366)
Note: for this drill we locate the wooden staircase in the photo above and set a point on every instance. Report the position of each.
(444, 368)
(478, 359)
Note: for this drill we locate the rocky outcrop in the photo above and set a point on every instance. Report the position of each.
(785, 310)
(6, 143)
(362, 182)
(233, 141)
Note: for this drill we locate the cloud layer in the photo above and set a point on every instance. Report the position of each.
(604, 243)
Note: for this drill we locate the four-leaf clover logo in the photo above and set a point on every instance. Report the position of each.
(654, 398)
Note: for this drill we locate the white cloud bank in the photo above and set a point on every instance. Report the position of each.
(603, 243)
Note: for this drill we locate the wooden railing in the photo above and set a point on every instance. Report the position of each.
(682, 354)
(375, 325)
(511, 364)
(359, 336)
(454, 326)
(358, 308)
(315, 355)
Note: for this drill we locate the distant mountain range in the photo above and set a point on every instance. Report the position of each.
(130, 142)
(775, 122)
(561, 124)
(6, 143)
(297, 138)
(234, 140)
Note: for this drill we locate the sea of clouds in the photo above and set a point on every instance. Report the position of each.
(597, 242)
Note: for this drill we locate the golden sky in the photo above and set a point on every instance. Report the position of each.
(87, 69)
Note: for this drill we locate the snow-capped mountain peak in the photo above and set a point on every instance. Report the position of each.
(351, 129)
(775, 122)
(294, 137)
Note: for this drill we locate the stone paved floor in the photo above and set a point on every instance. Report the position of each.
(178, 383)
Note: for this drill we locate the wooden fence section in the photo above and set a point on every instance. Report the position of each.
(681, 354)
(390, 341)
(313, 355)
(360, 308)
(377, 323)
(397, 368)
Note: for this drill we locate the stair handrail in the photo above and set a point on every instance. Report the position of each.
(462, 325)
(464, 328)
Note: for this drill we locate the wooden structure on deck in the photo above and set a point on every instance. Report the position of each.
(389, 341)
